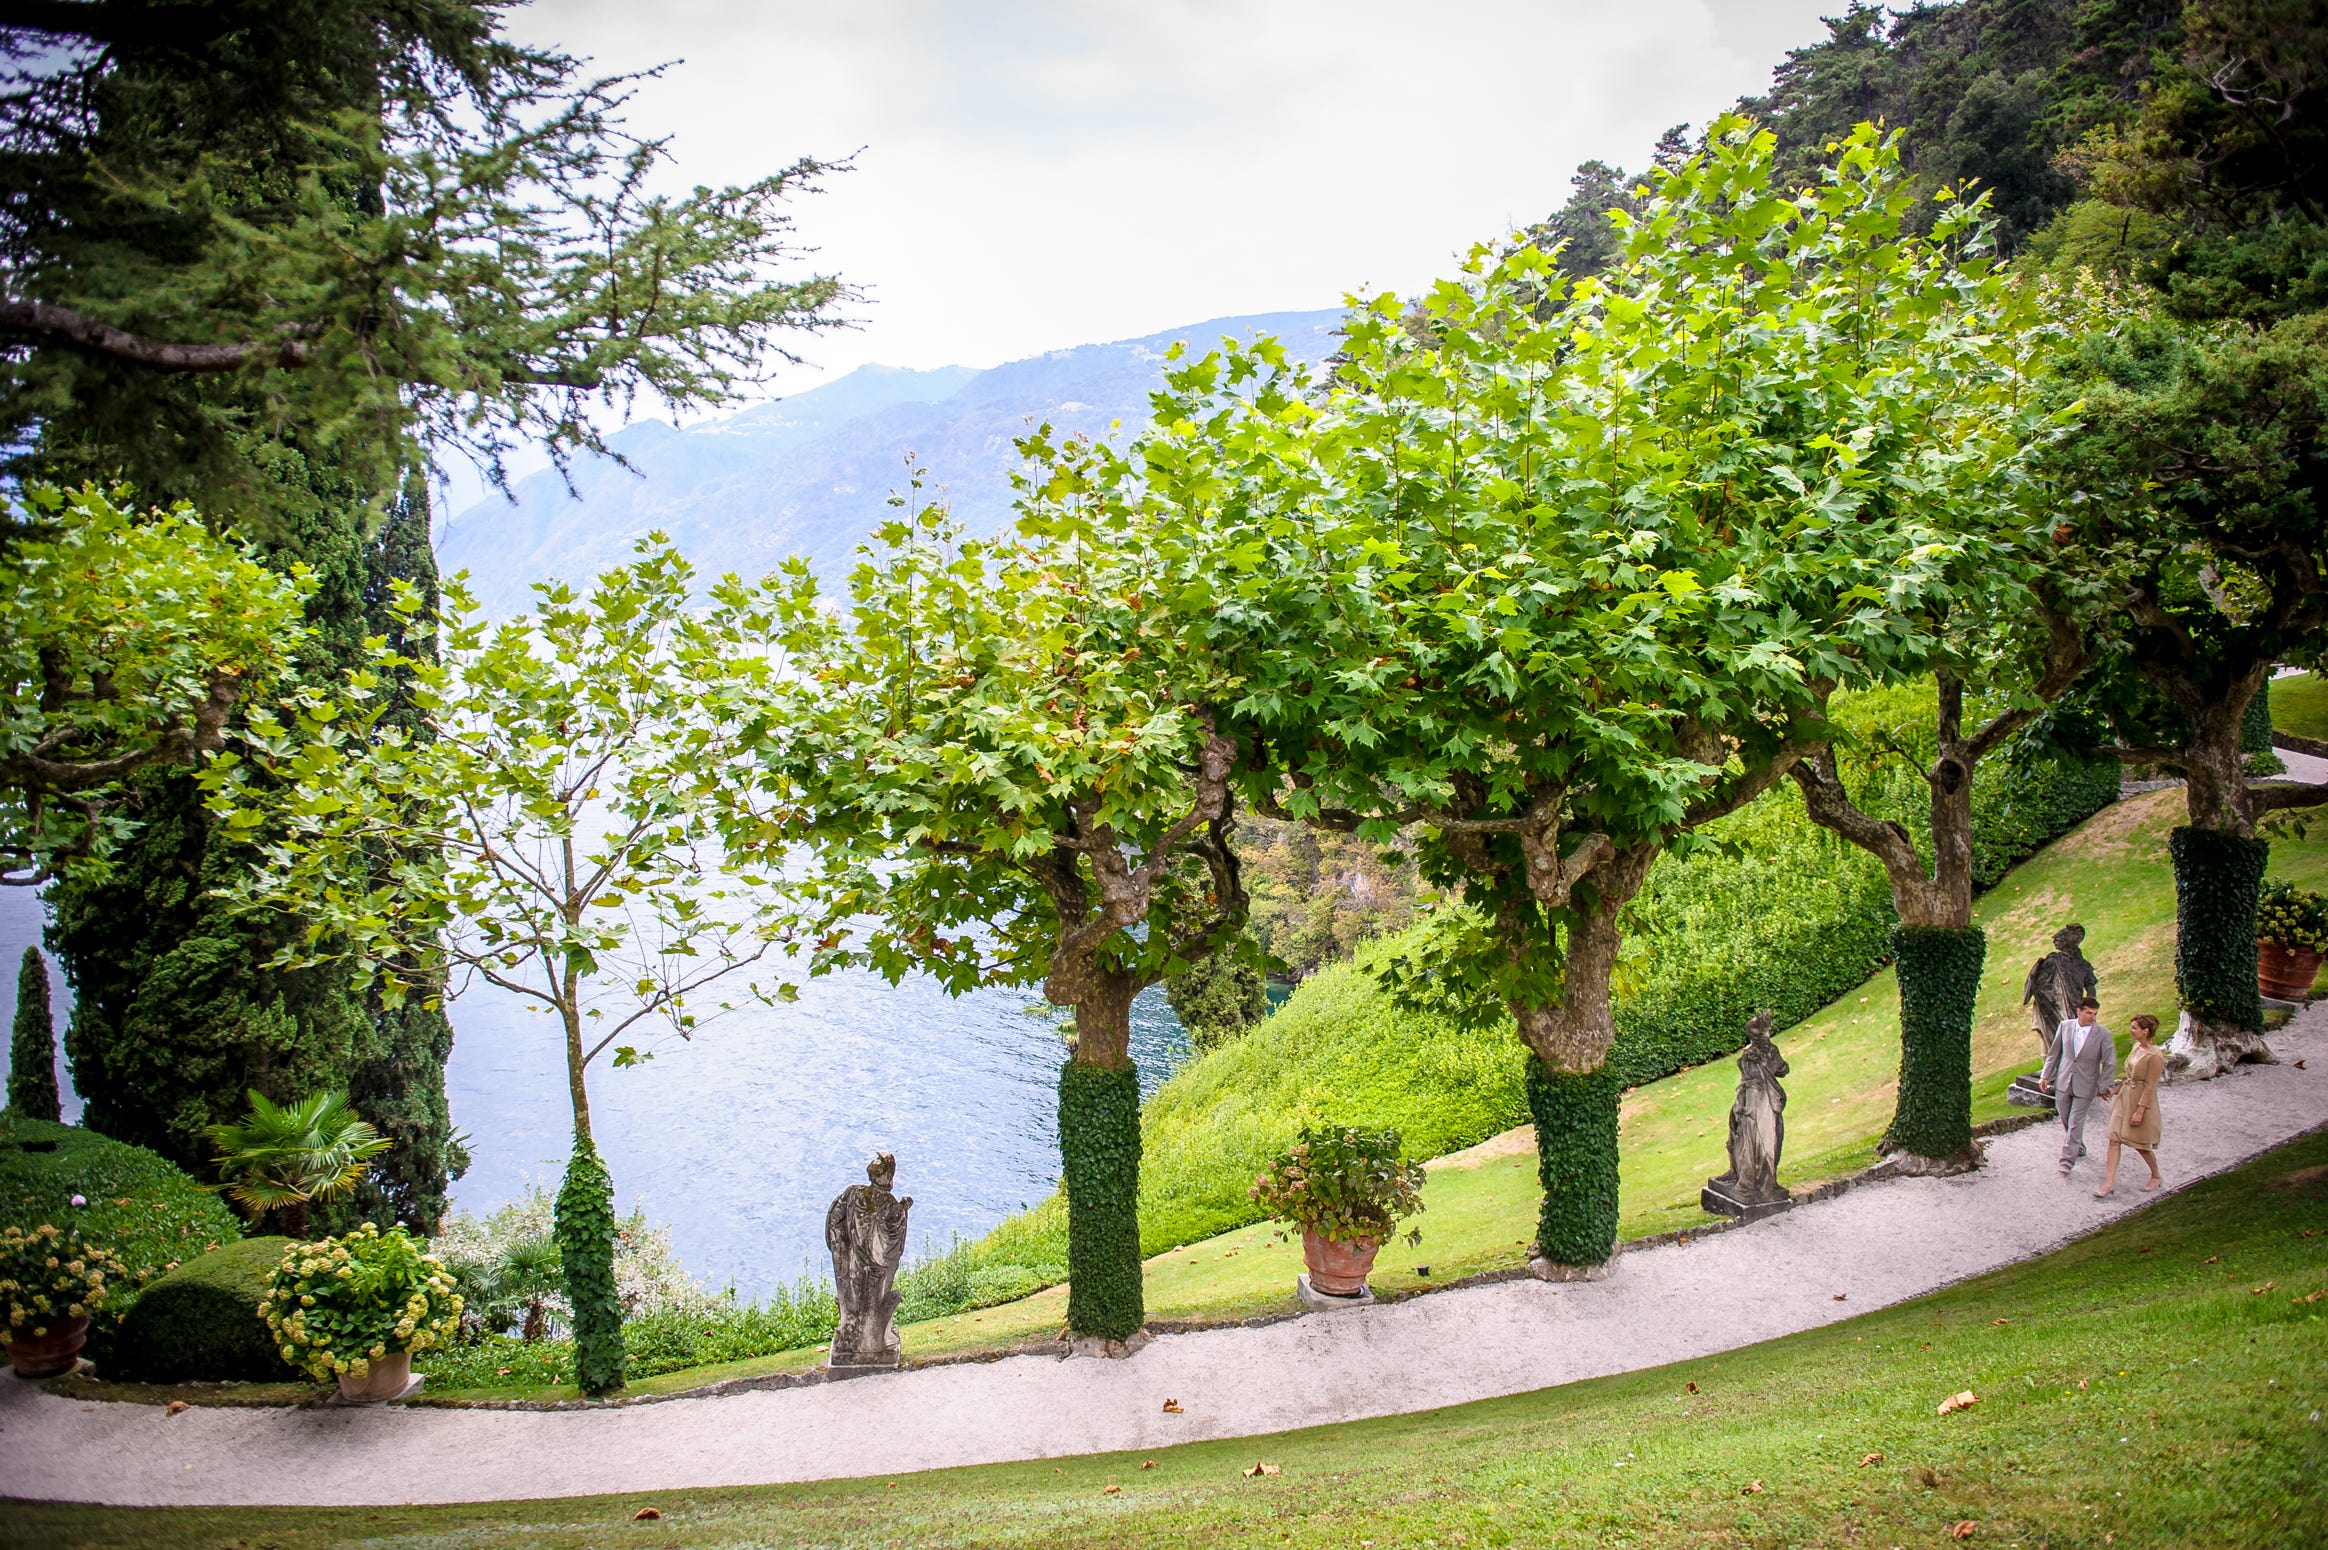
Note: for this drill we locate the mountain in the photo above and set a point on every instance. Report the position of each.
(812, 474)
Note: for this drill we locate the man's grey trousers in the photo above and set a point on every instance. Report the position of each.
(2073, 1120)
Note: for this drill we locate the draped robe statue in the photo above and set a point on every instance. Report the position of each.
(1757, 1131)
(865, 1229)
(2057, 983)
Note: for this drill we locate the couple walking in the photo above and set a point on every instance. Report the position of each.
(2080, 1063)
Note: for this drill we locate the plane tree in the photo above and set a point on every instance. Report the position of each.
(1568, 572)
(1005, 768)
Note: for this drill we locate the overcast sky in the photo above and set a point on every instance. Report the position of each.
(1035, 175)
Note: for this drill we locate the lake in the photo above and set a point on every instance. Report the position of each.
(739, 1139)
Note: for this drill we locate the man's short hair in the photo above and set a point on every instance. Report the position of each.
(2089, 1002)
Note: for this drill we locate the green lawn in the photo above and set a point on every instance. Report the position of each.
(2299, 704)
(2158, 1384)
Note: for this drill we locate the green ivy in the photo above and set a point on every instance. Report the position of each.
(1576, 1161)
(1939, 982)
(2218, 881)
(1099, 1140)
(585, 1232)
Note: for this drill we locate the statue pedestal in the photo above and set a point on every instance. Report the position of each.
(859, 1366)
(1717, 1198)
(2024, 1094)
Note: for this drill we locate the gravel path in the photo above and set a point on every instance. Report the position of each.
(1876, 1245)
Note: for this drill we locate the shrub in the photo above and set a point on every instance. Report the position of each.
(145, 1210)
(201, 1322)
(1343, 1184)
(648, 1274)
(49, 1277)
(338, 1306)
(707, 1330)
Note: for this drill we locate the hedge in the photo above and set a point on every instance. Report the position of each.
(200, 1322)
(1099, 1143)
(140, 1205)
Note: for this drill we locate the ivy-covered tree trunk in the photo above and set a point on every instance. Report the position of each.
(585, 1234)
(1575, 1114)
(2218, 877)
(32, 1045)
(1099, 1148)
(1572, 1092)
(1939, 973)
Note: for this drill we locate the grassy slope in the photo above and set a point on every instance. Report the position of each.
(2156, 1384)
(2299, 704)
(2111, 875)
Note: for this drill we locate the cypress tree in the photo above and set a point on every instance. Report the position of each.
(32, 1048)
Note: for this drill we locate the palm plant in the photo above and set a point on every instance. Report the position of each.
(281, 1158)
(523, 1288)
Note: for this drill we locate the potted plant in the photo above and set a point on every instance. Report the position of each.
(1347, 1191)
(354, 1309)
(2291, 935)
(50, 1281)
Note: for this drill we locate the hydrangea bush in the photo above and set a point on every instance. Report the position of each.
(2293, 917)
(48, 1277)
(339, 1305)
(1346, 1185)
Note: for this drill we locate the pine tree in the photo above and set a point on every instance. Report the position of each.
(32, 1048)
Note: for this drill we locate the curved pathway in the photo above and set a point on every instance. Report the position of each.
(1876, 1245)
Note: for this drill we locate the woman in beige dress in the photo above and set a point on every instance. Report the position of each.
(2134, 1104)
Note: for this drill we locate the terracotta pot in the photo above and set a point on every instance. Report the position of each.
(58, 1351)
(1337, 1269)
(2285, 972)
(390, 1376)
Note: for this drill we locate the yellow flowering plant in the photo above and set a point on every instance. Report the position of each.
(49, 1277)
(341, 1304)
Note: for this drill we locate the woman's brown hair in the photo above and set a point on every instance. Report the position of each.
(2145, 1020)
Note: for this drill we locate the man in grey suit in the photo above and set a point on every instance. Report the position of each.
(2077, 1071)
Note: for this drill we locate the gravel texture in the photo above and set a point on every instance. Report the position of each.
(1866, 1248)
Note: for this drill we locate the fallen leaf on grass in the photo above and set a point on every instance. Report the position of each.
(1928, 1477)
(1963, 1399)
(1751, 1488)
(501, 1372)
(1870, 1458)
(1148, 1464)
(2081, 1383)
(647, 1515)
(1963, 1529)
(2310, 1297)
(2144, 1249)
(1172, 1407)
(175, 1406)
(1691, 1387)
(2212, 1259)
(1262, 1469)
(1111, 1490)
(2267, 1286)
(1993, 1323)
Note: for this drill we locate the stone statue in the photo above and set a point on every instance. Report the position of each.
(1757, 1132)
(865, 1229)
(2057, 983)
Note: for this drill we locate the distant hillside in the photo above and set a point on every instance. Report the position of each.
(812, 474)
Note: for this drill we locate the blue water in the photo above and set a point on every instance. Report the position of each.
(739, 1139)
